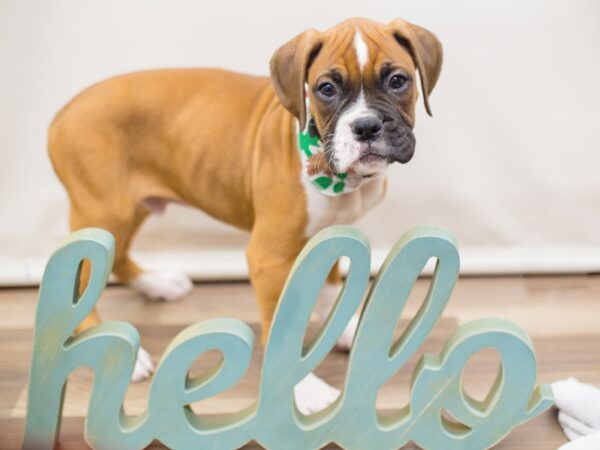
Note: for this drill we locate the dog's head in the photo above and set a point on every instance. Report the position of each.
(360, 77)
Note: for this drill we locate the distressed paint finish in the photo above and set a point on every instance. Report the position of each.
(352, 421)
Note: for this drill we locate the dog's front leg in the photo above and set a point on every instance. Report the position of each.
(271, 253)
(143, 366)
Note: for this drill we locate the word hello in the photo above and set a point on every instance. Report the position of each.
(352, 421)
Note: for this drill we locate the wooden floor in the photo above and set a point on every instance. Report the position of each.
(561, 314)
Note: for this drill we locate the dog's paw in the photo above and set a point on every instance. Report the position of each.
(144, 367)
(313, 394)
(344, 343)
(168, 286)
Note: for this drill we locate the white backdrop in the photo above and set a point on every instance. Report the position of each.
(510, 162)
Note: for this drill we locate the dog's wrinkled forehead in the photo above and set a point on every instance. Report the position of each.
(356, 51)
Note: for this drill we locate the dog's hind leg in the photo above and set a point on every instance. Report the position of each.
(122, 222)
(122, 228)
(157, 285)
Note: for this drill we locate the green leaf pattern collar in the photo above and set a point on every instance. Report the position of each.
(310, 146)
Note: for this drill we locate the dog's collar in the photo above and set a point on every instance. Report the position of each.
(315, 166)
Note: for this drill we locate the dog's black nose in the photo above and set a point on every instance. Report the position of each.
(366, 128)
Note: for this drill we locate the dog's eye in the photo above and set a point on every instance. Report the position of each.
(397, 82)
(327, 90)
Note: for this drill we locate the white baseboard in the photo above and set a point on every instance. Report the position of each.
(230, 265)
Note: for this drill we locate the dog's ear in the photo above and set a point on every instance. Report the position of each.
(289, 68)
(426, 52)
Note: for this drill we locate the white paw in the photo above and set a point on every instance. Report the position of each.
(144, 367)
(344, 343)
(313, 394)
(168, 286)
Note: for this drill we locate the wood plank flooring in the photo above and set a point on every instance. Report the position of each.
(560, 313)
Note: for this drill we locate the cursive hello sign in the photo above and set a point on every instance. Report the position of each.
(353, 421)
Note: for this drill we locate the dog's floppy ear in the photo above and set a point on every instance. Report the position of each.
(289, 68)
(426, 52)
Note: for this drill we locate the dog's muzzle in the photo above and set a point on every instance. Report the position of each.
(401, 144)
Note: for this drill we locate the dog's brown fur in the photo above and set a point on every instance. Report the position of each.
(220, 141)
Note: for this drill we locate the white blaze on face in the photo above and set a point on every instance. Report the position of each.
(346, 148)
(362, 50)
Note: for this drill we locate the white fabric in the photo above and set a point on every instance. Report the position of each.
(579, 413)
(591, 442)
(509, 162)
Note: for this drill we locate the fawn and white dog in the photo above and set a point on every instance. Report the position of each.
(281, 157)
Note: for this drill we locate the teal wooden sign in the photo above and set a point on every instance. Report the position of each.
(353, 421)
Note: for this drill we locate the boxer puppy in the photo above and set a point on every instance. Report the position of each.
(280, 157)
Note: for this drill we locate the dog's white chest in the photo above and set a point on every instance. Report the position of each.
(323, 210)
